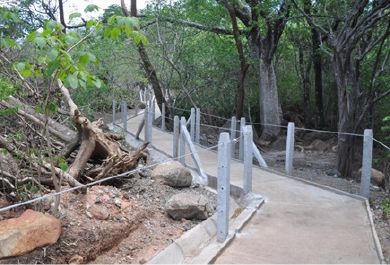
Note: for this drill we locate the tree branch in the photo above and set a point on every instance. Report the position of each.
(218, 30)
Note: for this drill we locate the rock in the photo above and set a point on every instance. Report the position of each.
(188, 206)
(27, 232)
(332, 172)
(98, 212)
(311, 136)
(377, 177)
(173, 174)
(319, 145)
(76, 259)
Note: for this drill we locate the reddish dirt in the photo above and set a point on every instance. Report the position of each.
(109, 225)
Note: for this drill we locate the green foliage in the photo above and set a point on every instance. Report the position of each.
(6, 89)
(26, 190)
(91, 8)
(386, 206)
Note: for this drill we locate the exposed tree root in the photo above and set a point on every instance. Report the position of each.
(98, 146)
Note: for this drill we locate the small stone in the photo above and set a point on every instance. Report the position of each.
(142, 261)
(98, 212)
(118, 202)
(76, 259)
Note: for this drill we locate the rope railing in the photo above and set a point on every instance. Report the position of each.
(274, 125)
(283, 126)
(13, 206)
(382, 144)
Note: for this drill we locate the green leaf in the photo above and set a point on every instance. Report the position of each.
(91, 23)
(128, 21)
(97, 83)
(74, 15)
(115, 33)
(70, 40)
(91, 8)
(40, 42)
(62, 164)
(52, 55)
(31, 37)
(86, 58)
(20, 66)
(26, 73)
(51, 107)
(52, 67)
(72, 81)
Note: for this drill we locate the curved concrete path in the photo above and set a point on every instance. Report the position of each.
(299, 222)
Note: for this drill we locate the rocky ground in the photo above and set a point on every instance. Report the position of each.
(121, 221)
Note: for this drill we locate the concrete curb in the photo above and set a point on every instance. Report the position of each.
(216, 248)
(374, 233)
(199, 245)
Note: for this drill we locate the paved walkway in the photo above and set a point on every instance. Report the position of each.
(299, 223)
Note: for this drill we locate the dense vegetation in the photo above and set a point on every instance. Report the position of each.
(321, 64)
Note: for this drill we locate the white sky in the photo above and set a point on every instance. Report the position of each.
(72, 6)
(79, 5)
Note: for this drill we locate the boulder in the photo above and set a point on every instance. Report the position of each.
(27, 232)
(173, 174)
(377, 177)
(188, 206)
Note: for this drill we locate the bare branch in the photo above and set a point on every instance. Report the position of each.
(218, 30)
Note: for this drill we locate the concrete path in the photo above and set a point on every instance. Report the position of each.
(299, 223)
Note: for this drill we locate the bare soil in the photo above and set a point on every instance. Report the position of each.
(136, 228)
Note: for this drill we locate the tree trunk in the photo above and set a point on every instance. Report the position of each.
(270, 110)
(152, 77)
(240, 91)
(317, 65)
(148, 66)
(305, 86)
(348, 86)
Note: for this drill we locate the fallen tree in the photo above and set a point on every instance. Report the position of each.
(96, 154)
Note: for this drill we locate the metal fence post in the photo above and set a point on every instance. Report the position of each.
(290, 148)
(192, 124)
(366, 164)
(223, 187)
(241, 144)
(233, 128)
(176, 135)
(182, 143)
(113, 111)
(197, 126)
(163, 117)
(248, 158)
(124, 116)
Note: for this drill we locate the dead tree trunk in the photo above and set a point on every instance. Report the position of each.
(95, 144)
